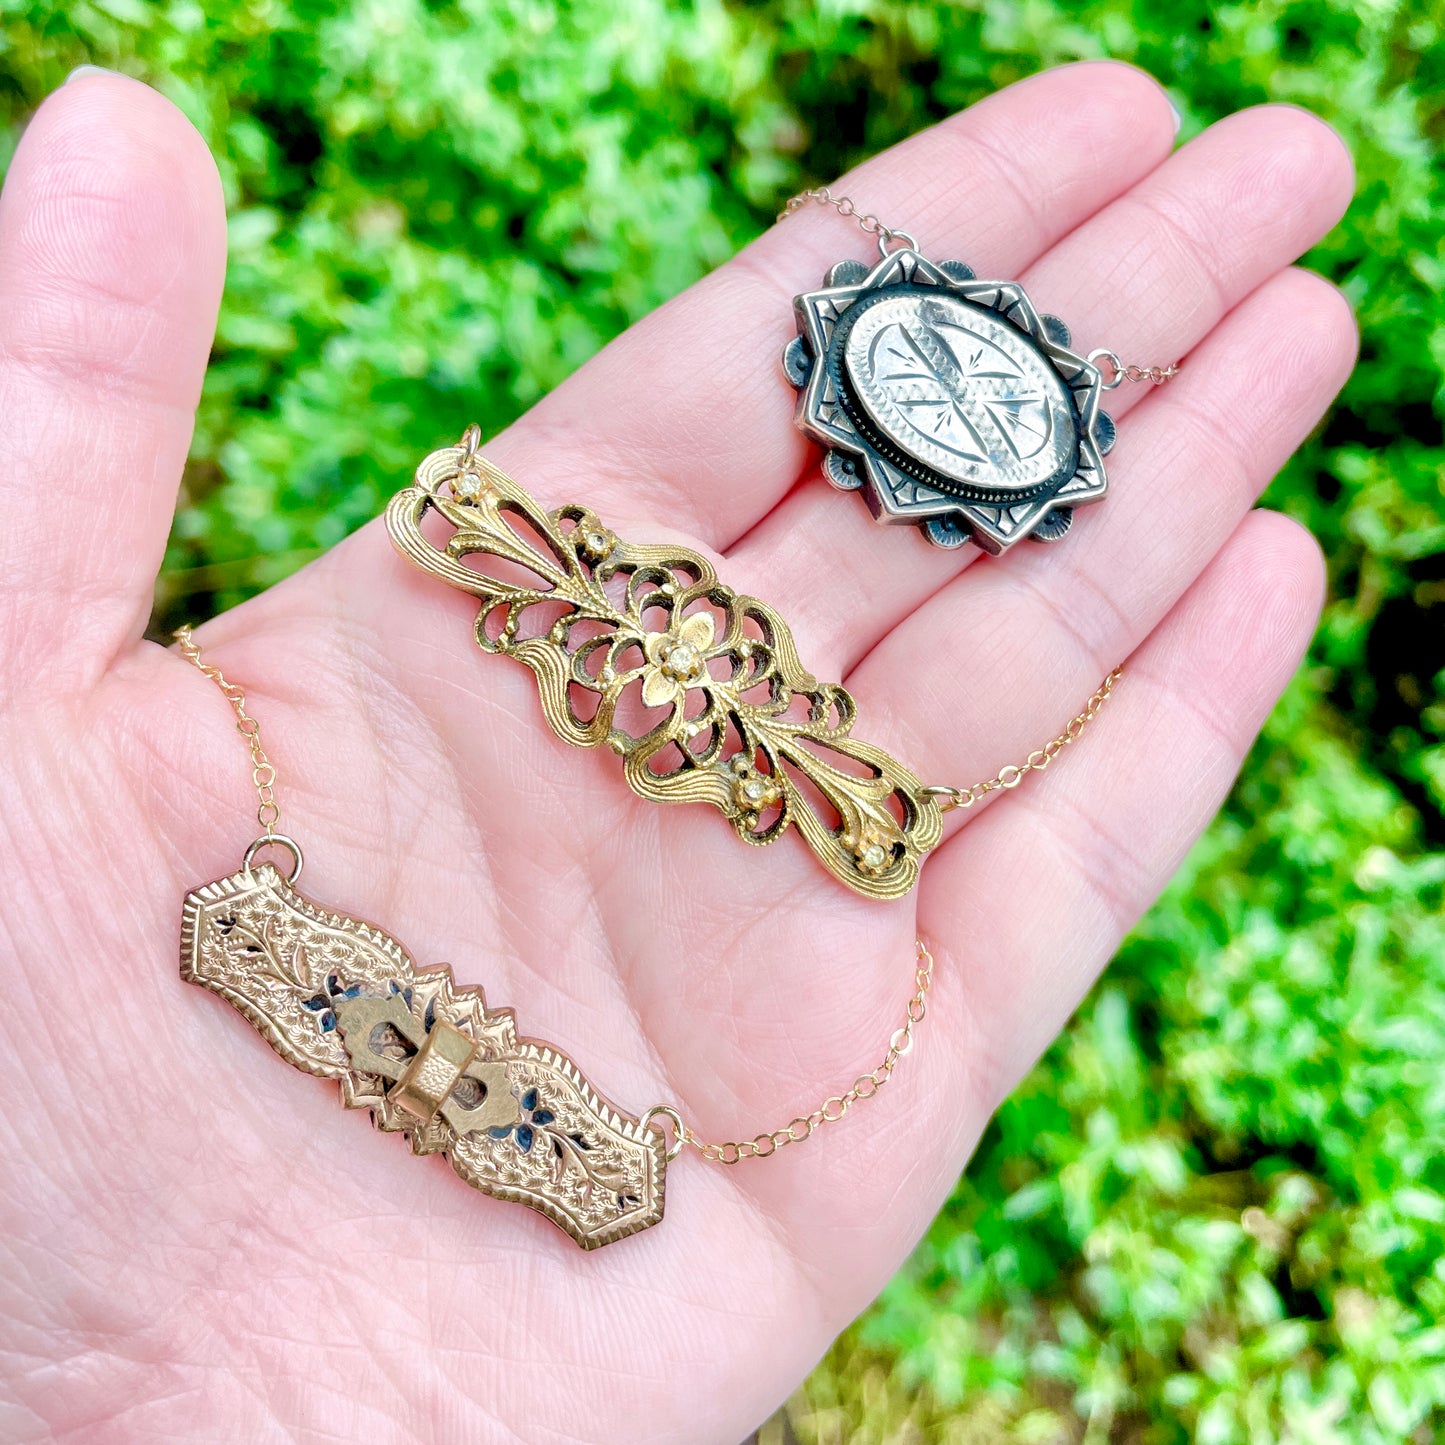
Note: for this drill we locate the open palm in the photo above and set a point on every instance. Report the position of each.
(198, 1243)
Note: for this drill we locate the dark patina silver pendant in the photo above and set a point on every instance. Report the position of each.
(948, 401)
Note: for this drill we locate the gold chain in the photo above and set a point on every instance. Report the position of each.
(734, 1151)
(263, 773)
(1013, 774)
(845, 206)
(1120, 371)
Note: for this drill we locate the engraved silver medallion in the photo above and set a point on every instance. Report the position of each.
(948, 401)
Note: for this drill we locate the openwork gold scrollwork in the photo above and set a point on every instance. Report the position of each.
(698, 689)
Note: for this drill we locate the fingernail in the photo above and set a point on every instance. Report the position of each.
(81, 71)
(1178, 118)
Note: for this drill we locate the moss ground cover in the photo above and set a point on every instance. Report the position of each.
(1216, 1209)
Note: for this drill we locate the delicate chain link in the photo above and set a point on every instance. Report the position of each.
(1156, 374)
(1013, 774)
(845, 206)
(263, 773)
(734, 1151)
(1120, 371)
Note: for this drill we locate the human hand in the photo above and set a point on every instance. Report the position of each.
(200, 1243)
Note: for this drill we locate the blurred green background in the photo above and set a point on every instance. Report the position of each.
(1216, 1210)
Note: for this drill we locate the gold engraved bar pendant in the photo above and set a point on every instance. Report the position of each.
(341, 999)
(698, 689)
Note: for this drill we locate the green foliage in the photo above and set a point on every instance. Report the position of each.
(1216, 1210)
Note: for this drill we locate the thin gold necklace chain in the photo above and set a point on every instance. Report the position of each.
(263, 771)
(734, 1151)
(836, 1106)
(1119, 372)
(268, 814)
(1012, 775)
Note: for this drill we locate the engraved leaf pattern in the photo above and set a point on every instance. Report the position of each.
(699, 689)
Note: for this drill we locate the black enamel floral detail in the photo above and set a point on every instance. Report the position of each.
(321, 1004)
(570, 1153)
(534, 1120)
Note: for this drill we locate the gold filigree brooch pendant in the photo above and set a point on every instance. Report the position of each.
(698, 689)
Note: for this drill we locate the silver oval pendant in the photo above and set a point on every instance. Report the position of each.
(948, 401)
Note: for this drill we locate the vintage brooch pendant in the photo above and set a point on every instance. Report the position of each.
(949, 402)
(343, 1000)
(641, 649)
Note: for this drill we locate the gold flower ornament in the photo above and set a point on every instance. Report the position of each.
(676, 659)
